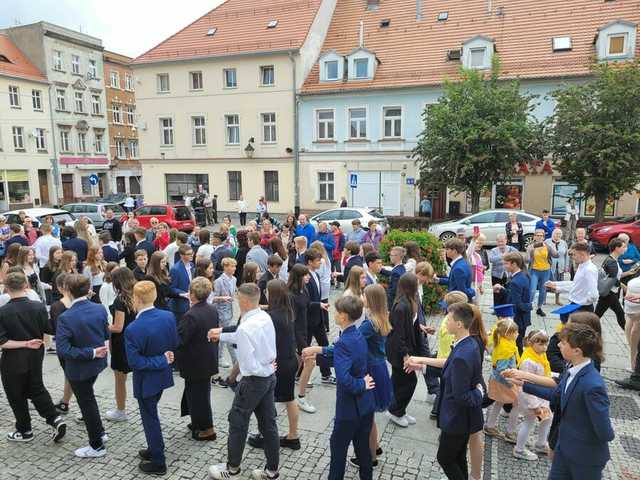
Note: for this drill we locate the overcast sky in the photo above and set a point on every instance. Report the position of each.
(130, 27)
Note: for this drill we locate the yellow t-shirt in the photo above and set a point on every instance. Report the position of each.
(445, 340)
(541, 259)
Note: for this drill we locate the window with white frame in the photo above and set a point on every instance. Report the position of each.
(477, 57)
(93, 69)
(199, 128)
(357, 123)
(65, 142)
(99, 142)
(61, 99)
(326, 186)
(331, 70)
(41, 141)
(57, 60)
(269, 127)
(267, 75)
(195, 80)
(235, 185)
(121, 149)
(75, 64)
(95, 104)
(79, 102)
(163, 82)
(232, 123)
(14, 96)
(166, 131)
(271, 186)
(230, 78)
(617, 44)
(134, 151)
(18, 138)
(362, 67)
(128, 82)
(392, 122)
(115, 79)
(325, 125)
(82, 142)
(36, 99)
(131, 114)
(116, 108)
(85, 184)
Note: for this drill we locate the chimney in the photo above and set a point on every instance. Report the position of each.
(418, 9)
(361, 37)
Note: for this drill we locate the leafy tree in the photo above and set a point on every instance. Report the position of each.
(595, 133)
(477, 134)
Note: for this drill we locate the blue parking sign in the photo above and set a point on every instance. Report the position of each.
(353, 180)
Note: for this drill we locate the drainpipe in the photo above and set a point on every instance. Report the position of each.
(55, 170)
(296, 139)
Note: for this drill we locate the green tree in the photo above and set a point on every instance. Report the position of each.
(595, 133)
(477, 134)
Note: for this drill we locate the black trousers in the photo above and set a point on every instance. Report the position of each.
(196, 402)
(345, 432)
(243, 218)
(499, 298)
(83, 390)
(19, 388)
(404, 384)
(611, 301)
(431, 375)
(320, 334)
(452, 455)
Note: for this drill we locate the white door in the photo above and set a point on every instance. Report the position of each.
(390, 193)
(378, 189)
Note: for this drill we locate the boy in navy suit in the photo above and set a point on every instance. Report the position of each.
(181, 275)
(354, 398)
(459, 278)
(150, 342)
(396, 255)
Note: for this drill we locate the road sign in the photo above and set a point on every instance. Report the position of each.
(353, 180)
(93, 179)
(411, 181)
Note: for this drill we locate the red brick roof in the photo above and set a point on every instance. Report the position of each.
(18, 65)
(240, 28)
(414, 52)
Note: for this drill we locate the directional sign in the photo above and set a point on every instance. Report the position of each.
(353, 180)
(93, 179)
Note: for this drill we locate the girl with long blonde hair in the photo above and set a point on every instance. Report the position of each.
(94, 268)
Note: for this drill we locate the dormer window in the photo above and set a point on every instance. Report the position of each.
(477, 57)
(616, 40)
(362, 67)
(361, 64)
(331, 69)
(616, 44)
(477, 52)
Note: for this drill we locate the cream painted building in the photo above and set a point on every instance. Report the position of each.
(220, 116)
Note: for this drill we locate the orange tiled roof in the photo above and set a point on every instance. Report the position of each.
(18, 64)
(414, 52)
(241, 27)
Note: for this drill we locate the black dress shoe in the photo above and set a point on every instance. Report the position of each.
(292, 443)
(256, 440)
(145, 455)
(204, 435)
(152, 468)
(540, 313)
(378, 451)
(629, 383)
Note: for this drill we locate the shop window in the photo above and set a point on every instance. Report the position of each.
(18, 186)
(562, 192)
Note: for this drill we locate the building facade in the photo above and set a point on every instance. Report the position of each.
(72, 62)
(124, 149)
(25, 132)
(220, 116)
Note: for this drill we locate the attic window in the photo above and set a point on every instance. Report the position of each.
(272, 24)
(373, 4)
(561, 44)
(211, 32)
(4, 59)
(385, 23)
(443, 16)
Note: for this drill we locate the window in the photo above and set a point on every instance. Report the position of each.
(230, 78)
(331, 69)
(131, 114)
(14, 96)
(196, 80)
(134, 152)
(128, 82)
(85, 182)
(326, 186)
(93, 69)
(199, 127)
(477, 57)
(232, 123)
(79, 102)
(99, 143)
(488, 217)
(357, 123)
(617, 44)
(163, 82)
(65, 144)
(269, 127)
(75, 64)
(57, 60)
(116, 108)
(18, 138)
(95, 104)
(362, 67)
(271, 193)
(267, 75)
(115, 79)
(166, 131)
(41, 143)
(36, 99)
(134, 185)
(121, 150)
(562, 192)
(325, 124)
(235, 185)
(393, 122)
(61, 100)
(82, 142)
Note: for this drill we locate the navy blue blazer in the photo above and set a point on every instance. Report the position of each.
(460, 402)
(394, 277)
(217, 256)
(355, 260)
(518, 294)
(147, 246)
(459, 279)
(110, 254)
(314, 315)
(147, 338)
(80, 330)
(79, 246)
(585, 426)
(353, 400)
(180, 284)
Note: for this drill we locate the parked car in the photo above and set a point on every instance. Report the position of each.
(176, 216)
(38, 215)
(97, 212)
(608, 223)
(346, 215)
(601, 234)
(491, 223)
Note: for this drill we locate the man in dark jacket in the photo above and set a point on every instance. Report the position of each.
(142, 243)
(220, 251)
(75, 244)
(274, 264)
(112, 225)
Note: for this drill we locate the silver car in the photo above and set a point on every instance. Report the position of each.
(490, 222)
(346, 215)
(95, 211)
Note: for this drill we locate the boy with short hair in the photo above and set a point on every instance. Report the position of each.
(224, 290)
(274, 264)
(396, 255)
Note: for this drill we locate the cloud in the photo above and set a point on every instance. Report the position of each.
(130, 27)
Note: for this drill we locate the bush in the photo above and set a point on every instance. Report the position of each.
(431, 249)
(409, 223)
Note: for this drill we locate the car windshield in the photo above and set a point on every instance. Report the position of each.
(58, 217)
(115, 207)
(375, 213)
(182, 213)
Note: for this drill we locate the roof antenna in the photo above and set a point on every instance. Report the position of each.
(361, 34)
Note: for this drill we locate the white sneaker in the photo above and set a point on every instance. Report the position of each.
(220, 471)
(89, 452)
(410, 420)
(116, 415)
(400, 421)
(305, 406)
(259, 474)
(79, 419)
(104, 438)
(224, 364)
(431, 398)
(525, 455)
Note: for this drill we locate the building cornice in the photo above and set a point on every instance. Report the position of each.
(143, 63)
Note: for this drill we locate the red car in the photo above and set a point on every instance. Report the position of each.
(601, 233)
(176, 216)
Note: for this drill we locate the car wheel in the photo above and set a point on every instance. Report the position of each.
(528, 240)
(447, 236)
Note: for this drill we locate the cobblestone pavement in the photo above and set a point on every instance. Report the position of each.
(409, 453)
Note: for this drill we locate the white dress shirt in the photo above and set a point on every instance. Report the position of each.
(170, 251)
(583, 290)
(42, 246)
(573, 371)
(255, 340)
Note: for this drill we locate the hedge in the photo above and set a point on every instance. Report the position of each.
(408, 223)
